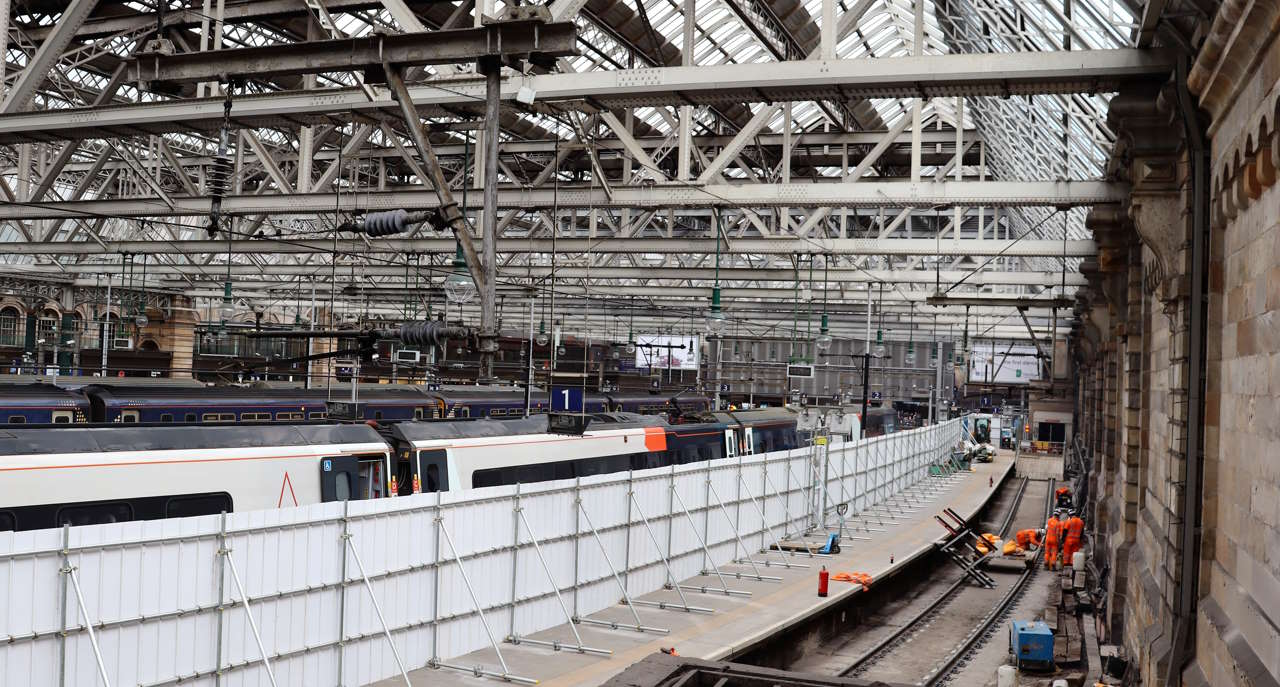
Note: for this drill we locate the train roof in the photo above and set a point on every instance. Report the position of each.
(79, 381)
(756, 415)
(466, 429)
(14, 442)
(145, 395)
(27, 394)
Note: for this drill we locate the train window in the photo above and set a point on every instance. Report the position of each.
(342, 491)
(317, 415)
(288, 416)
(17, 420)
(418, 413)
(209, 417)
(497, 411)
(464, 411)
(189, 417)
(197, 504)
(129, 416)
(255, 417)
(62, 417)
(8, 523)
(95, 514)
(436, 475)
(377, 414)
(166, 417)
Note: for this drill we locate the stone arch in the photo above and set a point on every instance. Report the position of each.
(149, 345)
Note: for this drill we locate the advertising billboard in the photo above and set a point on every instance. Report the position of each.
(1001, 364)
(661, 352)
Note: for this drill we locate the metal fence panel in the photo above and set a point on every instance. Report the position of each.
(167, 608)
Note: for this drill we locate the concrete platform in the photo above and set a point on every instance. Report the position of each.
(905, 530)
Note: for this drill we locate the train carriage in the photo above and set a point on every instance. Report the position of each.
(42, 404)
(94, 475)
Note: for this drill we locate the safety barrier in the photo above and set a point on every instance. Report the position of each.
(349, 593)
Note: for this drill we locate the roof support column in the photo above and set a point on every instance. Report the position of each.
(828, 38)
(492, 69)
(686, 111)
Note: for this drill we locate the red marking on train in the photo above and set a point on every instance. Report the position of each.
(289, 483)
(655, 439)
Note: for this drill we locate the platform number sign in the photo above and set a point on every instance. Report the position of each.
(875, 395)
(724, 388)
(566, 399)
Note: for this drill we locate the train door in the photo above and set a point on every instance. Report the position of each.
(356, 478)
(339, 476)
(748, 444)
(730, 443)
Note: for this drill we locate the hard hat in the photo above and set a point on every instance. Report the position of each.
(1040, 532)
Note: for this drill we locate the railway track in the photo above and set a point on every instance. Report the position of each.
(957, 658)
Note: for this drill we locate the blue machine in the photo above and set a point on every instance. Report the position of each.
(832, 545)
(1032, 644)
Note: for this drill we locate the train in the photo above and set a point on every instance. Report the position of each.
(118, 472)
(41, 403)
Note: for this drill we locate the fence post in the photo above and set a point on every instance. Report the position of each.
(626, 549)
(435, 593)
(222, 595)
(515, 557)
(342, 592)
(577, 536)
(62, 604)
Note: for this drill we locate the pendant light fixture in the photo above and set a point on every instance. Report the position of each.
(715, 316)
(823, 342)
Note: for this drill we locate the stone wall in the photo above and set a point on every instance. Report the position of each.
(1134, 349)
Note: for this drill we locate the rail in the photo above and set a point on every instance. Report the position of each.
(980, 634)
(872, 655)
(358, 589)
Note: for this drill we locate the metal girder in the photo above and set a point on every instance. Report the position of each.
(47, 55)
(505, 39)
(679, 195)
(678, 246)
(835, 275)
(1019, 303)
(925, 76)
(234, 13)
(511, 147)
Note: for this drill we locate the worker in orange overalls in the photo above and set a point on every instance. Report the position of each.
(1072, 538)
(1062, 497)
(1052, 535)
(1029, 539)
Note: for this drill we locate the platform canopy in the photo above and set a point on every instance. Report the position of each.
(799, 154)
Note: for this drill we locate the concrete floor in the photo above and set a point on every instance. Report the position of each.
(738, 622)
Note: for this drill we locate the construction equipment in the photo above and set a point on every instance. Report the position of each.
(832, 545)
(1031, 642)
